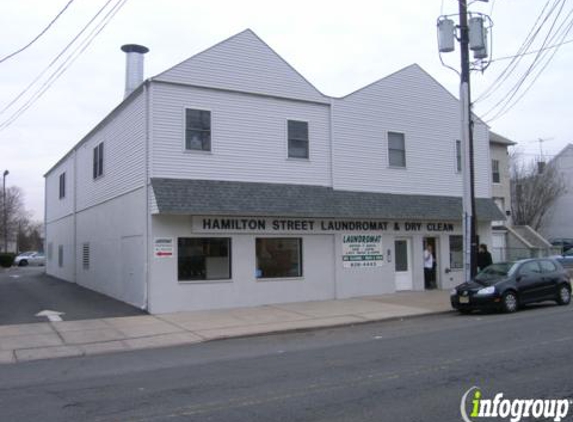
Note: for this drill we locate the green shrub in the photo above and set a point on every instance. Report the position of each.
(6, 259)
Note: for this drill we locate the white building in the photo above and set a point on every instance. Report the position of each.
(559, 223)
(229, 180)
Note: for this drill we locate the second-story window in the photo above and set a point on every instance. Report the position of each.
(63, 185)
(396, 149)
(297, 139)
(197, 130)
(98, 161)
(495, 171)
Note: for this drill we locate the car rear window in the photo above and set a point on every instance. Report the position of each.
(531, 267)
(547, 266)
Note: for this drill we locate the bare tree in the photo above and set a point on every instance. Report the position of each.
(16, 215)
(30, 236)
(535, 186)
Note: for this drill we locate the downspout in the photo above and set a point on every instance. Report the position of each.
(75, 205)
(148, 114)
(46, 243)
(334, 236)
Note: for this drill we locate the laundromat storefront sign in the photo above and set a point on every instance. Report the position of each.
(362, 250)
(315, 226)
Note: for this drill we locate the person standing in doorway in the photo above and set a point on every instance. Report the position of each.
(484, 257)
(429, 267)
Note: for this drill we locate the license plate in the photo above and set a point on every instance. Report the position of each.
(464, 299)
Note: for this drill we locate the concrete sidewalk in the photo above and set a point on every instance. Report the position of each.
(47, 340)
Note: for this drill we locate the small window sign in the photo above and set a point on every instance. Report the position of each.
(163, 247)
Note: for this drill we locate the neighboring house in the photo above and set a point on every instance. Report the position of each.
(229, 180)
(510, 242)
(558, 223)
(501, 193)
(500, 176)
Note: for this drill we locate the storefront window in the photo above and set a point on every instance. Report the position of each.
(456, 252)
(279, 257)
(204, 258)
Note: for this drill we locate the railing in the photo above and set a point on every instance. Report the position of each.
(514, 254)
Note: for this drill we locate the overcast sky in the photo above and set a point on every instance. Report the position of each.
(339, 46)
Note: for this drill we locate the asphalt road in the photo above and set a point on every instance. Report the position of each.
(26, 291)
(412, 370)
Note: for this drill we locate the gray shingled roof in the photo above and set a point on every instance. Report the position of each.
(211, 197)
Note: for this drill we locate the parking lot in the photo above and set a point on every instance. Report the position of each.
(27, 291)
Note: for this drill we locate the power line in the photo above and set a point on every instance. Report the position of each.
(509, 101)
(78, 35)
(510, 68)
(534, 51)
(68, 61)
(554, 37)
(39, 35)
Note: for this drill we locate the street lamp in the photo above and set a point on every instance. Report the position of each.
(6, 173)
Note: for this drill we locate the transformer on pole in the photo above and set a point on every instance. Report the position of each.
(472, 35)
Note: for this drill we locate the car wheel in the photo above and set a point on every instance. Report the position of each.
(23, 263)
(509, 302)
(564, 295)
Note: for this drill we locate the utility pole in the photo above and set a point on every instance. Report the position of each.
(472, 35)
(470, 237)
(6, 173)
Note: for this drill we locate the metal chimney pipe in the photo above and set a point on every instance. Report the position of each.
(133, 66)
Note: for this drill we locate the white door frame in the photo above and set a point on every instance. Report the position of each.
(404, 280)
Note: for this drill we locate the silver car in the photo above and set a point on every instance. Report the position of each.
(566, 260)
(30, 258)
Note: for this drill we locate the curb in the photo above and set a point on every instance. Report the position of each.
(64, 351)
(341, 325)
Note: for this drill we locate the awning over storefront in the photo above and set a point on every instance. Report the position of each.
(211, 197)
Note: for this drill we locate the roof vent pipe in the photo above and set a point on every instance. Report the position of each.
(133, 66)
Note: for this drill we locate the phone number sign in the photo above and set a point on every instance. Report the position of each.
(362, 250)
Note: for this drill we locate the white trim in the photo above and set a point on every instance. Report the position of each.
(206, 236)
(390, 166)
(100, 171)
(498, 172)
(184, 131)
(294, 119)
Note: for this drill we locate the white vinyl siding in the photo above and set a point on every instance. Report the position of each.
(413, 103)
(114, 231)
(243, 63)
(124, 160)
(59, 207)
(249, 144)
